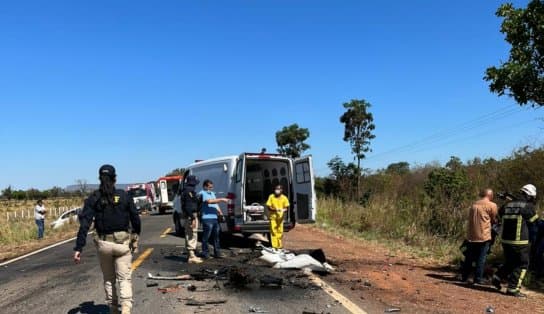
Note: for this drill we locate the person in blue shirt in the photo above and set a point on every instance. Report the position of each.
(211, 215)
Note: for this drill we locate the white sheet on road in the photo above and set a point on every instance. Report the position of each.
(281, 260)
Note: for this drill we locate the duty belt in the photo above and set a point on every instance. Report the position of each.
(110, 237)
(106, 237)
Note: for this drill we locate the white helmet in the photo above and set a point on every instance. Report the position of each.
(529, 189)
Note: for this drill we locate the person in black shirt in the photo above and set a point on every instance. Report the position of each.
(117, 230)
(189, 208)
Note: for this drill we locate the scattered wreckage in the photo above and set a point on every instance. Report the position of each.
(249, 271)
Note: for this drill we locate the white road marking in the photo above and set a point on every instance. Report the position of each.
(350, 306)
(37, 251)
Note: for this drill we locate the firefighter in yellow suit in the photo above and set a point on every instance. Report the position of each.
(278, 205)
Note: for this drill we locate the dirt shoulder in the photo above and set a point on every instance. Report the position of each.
(385, 279)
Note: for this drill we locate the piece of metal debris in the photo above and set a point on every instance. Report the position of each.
(158, 277)
(205, 302)
(270, 281)
(392, 310)
(254, 309)
(170, 288)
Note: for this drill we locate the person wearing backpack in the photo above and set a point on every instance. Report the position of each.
(189, 208)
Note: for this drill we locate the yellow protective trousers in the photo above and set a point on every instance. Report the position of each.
(276, 229)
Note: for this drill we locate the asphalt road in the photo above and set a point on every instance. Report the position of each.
(49, 282)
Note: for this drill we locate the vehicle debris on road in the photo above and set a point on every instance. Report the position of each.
(179, 277)
(170, 288)
(238, 277)
(254, 309)
(270, 281)
(205, 302)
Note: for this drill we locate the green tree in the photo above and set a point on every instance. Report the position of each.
(176, 172)
(448, 189)
(454, 163)
(342, 180)
(7, 193)
(55, 191)
(358, 130)
(290, 140)
(522, 76)
(400, 168)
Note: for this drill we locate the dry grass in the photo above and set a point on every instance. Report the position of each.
(27, 242)
(19, 236)
(383, 223)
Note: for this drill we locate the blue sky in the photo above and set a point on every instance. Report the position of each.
(151, 86)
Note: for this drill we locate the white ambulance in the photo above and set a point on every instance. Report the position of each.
(248, 180)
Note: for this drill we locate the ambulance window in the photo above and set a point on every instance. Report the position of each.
(283, 172)
(266, 173)
(274, 172)
(303, 172)
(239, 171)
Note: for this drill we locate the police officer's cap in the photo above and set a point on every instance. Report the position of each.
(107, 170)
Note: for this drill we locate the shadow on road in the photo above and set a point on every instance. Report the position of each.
(90, 308)
(448, 278)
(478, 288)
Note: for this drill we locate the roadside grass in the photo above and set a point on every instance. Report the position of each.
(382, 223)
(19, 236)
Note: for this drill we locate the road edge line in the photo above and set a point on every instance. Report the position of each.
(347, 303)
(13, 260)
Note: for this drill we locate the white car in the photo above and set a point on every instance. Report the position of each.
(66, 218)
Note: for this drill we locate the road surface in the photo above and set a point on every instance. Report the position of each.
(49, 282)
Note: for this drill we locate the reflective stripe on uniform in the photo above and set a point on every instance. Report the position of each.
(510, 216)
(534, 218)
(521, 277)
(514, 242)
(518, 228)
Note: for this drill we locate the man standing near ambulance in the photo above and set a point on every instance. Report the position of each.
(278, 205)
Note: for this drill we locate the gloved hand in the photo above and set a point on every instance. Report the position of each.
(134, 241)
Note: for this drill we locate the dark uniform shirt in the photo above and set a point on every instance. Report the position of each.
(108, 219)
(518, 218)
(189, 201)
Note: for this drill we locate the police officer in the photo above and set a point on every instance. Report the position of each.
(114, 214)
(189, 208)
(518, 220)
